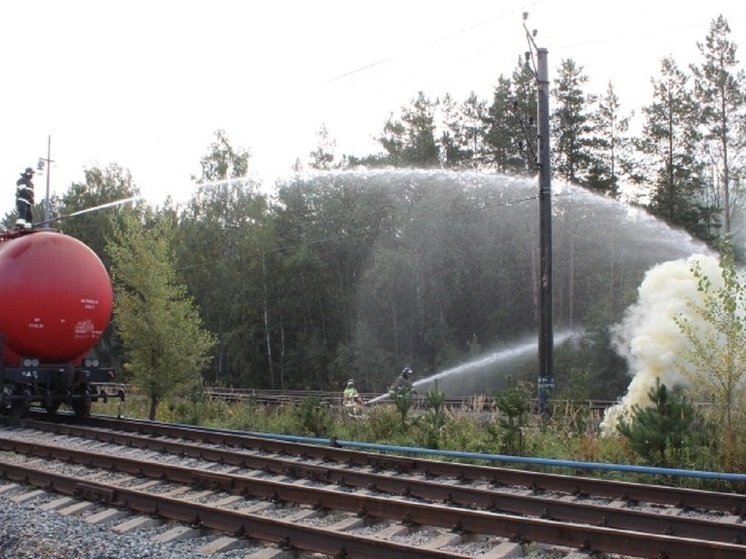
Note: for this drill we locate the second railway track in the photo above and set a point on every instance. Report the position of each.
(344, 503)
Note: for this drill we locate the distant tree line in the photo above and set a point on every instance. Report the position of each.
(340, 274)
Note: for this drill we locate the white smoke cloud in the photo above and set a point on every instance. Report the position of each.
(649, 339)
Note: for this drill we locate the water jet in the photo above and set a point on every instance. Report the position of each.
(438, 256)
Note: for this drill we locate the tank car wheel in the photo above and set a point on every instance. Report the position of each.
(5, 401)
(82, 407)
(52, 407)
(18, 409)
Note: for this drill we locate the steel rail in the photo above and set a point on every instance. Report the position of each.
(482, 522)
(289, 535)
(732, 503)
(485, 498)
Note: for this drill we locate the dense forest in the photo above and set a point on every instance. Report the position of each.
(426, 253)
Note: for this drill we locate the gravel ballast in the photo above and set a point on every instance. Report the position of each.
(28, 532)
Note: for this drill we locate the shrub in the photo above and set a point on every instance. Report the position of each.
(313, 417)
(383, 422)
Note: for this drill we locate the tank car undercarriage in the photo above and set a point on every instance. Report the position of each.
(50, 386)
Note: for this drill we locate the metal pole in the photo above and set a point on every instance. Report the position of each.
(49, 171)
(546, 334)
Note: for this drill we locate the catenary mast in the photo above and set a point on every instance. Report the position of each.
(546, 333)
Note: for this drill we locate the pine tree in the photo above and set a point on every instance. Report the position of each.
(514, 407)
(664, 428)
(571, 124)
(323, 156)
(510, 132)
(461, 142)
(410, 140)
(525, 108)
(670, 140)
(608, 144)
(721, 91)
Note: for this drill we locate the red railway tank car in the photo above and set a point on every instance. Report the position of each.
(55, 303)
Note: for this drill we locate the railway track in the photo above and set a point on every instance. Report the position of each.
(293, 397)
(270, 397)
(278, 495)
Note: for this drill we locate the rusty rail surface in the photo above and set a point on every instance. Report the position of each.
(394, 494)
(732, 503)
(293, 535)
(438, 491)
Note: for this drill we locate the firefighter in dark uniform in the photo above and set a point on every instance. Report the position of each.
(403, 382)
(25, 199)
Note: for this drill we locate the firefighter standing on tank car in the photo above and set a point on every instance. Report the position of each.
(25, 198)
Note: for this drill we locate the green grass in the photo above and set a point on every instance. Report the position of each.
(570, 436)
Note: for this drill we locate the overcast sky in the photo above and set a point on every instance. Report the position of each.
(146, 83)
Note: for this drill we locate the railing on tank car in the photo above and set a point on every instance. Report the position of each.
(10, 234)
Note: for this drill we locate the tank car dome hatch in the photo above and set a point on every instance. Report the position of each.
(55, 297)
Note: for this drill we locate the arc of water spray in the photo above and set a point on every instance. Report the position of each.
(87, 210)
(519, 349)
